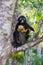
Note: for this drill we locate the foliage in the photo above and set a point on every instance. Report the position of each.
(7, 62)
(33, 10)
(36, 59)
(42, 59)
(18, 56)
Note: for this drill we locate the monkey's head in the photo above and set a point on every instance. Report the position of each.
(22, 19)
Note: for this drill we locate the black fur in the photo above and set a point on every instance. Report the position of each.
(20, 38)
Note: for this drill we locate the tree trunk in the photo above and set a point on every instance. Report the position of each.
(12, 62)
(39, 50)
(30, 57)
(6, 13)
(15, 15)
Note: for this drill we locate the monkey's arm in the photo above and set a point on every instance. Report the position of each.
(29, 27)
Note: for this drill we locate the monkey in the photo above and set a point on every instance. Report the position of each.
(21, 33)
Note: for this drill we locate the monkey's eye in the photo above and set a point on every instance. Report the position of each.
(20, 18)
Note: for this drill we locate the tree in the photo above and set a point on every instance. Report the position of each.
(6, 14)
(7, 9)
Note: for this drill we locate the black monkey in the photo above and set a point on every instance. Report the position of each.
(21, 33)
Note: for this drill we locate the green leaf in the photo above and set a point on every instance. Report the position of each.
(7, 62)
(38, 16)
(36, 60)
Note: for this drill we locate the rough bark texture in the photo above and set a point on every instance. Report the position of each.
(6, 12)
(12, 62)
(14, 21)
(39, 50)
(30, 57)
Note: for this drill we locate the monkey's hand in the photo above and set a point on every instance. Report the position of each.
(21, 29)
(25, 30)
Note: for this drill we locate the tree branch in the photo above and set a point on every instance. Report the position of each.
(29, 45)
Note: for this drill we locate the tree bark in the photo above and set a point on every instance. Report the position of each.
(6, 13)
(12, 62)
(30, 57)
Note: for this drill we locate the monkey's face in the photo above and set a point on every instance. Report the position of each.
(22, 19)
